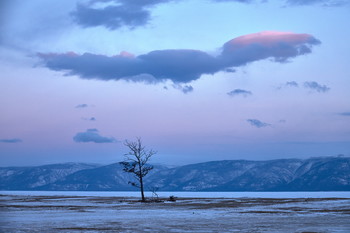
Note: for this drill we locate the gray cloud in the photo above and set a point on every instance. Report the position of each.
(92, 135)
(230, 70)
(344, 113)
(112, 17)
(316, 86)
(239, 92)
(288, 84)
(296, 2)
(321, 2)
(292, 84)
(89, 118)
(309, 85)
(81, 106)
(241, 1)
(115, 14)
(258, 123)
(182, 66)
(12, 140)
(185, 89)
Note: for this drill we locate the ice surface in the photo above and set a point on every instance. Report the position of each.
(108, 212)
(186, 194)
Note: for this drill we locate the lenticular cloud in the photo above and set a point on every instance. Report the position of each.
(280, 46)
(182, 65)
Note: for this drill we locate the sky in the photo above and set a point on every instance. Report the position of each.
(196, 80)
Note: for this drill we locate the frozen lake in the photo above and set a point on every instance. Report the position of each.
(188, 194)
(192, 212)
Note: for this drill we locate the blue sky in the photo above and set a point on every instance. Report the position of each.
(196, 80)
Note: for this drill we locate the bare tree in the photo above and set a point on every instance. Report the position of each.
(136, 162)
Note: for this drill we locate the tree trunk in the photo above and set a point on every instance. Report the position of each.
(141, 189)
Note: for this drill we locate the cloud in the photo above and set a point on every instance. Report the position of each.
(344, 113)
(279, 46)
(296, 2)
(230, 70)
(309, 85)
(257, 123)
(112, 17)
(288, 84)
(81, 106)
(241, 92)
(92, 135)
(241, 1)
(89, 118)
(114, 14)
(315, 86)
(292, 84)
(182, 65)
(314, 2)
(12, 140)
(185, 89)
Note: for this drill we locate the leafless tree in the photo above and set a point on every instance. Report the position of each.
(136, 162)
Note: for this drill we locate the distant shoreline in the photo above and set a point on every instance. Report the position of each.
(311, 194)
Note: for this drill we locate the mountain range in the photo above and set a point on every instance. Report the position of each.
(314, 174)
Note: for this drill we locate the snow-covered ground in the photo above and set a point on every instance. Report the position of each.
(74, 212)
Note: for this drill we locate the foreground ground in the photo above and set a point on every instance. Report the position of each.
(19, 213)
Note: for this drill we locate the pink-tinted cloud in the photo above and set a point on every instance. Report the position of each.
(126, 54)
(269, 38)
(281, 46)
(183, 65)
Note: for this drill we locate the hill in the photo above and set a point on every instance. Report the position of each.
(314, 174)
